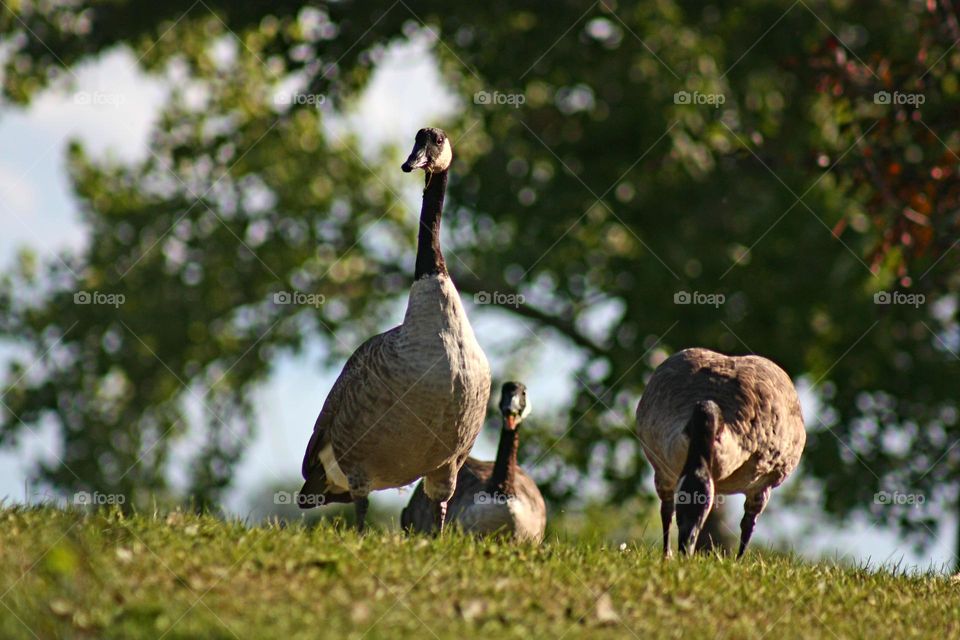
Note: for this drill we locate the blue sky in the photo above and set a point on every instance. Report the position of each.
(37, 210)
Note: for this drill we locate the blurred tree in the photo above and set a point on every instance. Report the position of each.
(775, 153)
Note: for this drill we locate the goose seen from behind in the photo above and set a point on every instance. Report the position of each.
(715, 424)
(409, 402)
(491, 497)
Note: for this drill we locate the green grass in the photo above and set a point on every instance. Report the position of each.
(104, 575)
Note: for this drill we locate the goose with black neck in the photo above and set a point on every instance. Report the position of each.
(492, 497)
(409, 402)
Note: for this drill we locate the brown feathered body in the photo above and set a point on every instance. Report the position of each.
(763, 435)
(409, 403)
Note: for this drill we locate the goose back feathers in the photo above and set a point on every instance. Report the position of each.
(763, 432)
(743, 416)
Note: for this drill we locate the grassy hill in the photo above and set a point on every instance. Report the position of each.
(64, 574)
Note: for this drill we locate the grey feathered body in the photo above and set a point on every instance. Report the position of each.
(763, 435)
(477, 508)
(409, 402)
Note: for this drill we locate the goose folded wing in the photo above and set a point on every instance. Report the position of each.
(358, 370)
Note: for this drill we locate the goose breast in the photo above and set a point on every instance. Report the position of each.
(437, 380)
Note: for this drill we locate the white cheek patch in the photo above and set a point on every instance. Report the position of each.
(515, 407)
(445, 158)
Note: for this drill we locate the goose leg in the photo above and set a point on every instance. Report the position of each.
(360, 506)
(666, 513)
(440, 485)
(359, 490)
(439, 515)
(752, 508)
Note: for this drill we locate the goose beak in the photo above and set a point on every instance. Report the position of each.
(510, 421)
(418, 159)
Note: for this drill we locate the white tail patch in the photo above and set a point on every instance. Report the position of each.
(335, 475)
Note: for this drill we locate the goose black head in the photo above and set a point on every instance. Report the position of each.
(514, 405)
(695, 492)
(431, 152)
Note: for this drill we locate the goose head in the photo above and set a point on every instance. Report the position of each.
(695, 492)
(431, 152)
(514, 406)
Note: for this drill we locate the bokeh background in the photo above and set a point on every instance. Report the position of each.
(631, 178)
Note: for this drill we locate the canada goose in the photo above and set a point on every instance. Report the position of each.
(716, 424)
(410, 402)
(491, 496)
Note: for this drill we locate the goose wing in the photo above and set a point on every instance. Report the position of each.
(356, 372)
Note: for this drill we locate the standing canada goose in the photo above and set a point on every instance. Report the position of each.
(715, 424)
(491, 496)
(410, 402)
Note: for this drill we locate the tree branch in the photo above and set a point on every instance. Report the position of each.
(566, 327)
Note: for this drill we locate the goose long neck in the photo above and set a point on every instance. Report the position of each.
(505, 466)
(701, 453)
(429, 257)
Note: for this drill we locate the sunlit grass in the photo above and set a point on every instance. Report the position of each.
(104, 575)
